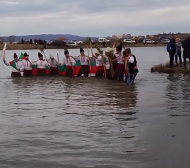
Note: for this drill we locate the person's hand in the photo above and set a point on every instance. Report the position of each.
(18, 69)
(135, 68)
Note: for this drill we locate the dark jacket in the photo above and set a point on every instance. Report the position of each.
(173, 46)
(186, 48)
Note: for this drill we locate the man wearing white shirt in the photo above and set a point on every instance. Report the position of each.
(53, 65)
(27, 66)
(17, 66)
(69, 62)
(41, 63)
(84, 60)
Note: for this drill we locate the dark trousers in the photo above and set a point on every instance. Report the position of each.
(83, 70)
(15, 74)
(129, 79)
(99, 73)
(119, 72)
(171, 59)
(108, 74)
(178, 55)
(27, 73)
(69, 72)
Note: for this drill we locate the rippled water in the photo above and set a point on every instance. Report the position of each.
(56, 122)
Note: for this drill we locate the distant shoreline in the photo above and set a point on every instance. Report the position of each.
(36, 47)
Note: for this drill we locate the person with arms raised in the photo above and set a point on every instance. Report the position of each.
(17, 66)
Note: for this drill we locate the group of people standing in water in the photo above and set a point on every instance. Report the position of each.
(174, 48)
(119, 66)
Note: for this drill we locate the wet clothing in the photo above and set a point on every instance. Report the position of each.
(15, 72)
(27, 73)
(41, 64)
(84, 66)
(119, 72)
(69, 62)
(27, 68)
(99, 67)
(83, 70)
(53, 66)
(131, 72)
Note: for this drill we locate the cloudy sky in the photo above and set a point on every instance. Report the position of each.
(93, 17)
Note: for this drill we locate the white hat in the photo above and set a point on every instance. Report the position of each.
(51, 56)
(131, 59)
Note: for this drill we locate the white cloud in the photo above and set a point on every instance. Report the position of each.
(11, 3)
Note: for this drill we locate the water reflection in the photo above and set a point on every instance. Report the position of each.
(178, 94)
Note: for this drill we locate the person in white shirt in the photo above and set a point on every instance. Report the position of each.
(84, 60)
(17, 66)
(99, 64)
(69, 62)
(41, 64)
(53, 65)
(27, 66)
(119, 72)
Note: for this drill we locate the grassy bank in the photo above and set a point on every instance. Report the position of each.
(32, 46)
(164, 68)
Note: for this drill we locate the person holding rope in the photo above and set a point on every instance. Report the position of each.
(17, 66)
(84, 60)
(131, 67)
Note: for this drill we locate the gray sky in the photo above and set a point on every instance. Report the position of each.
(93, 17)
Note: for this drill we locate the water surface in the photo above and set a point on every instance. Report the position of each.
(56, 122)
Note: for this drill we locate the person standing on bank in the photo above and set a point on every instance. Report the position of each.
(178, 52)
(84, 60)
(27, 66)
(186, 50)
(171, 49)
(17, 66)
(131, 67)
(69, 62)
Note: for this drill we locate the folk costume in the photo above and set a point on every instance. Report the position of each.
(119, 72)
(99, 65)
(27, 66)
(41, 64)
(53, 65)
(69, 62)
(84, 64)
(17, 66)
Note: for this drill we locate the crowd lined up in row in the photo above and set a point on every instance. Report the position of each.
(174, 48)
(114, 64)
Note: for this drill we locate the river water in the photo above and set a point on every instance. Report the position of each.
(57, 122)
